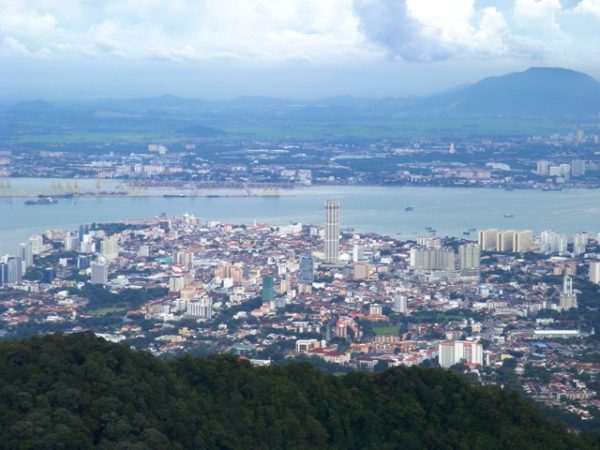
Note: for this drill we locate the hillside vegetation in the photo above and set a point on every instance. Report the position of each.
(78, 391)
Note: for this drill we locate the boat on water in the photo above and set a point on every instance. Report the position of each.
(508, 215)
(174, 195)
(41, 201)
(409, 208)
(466, 233)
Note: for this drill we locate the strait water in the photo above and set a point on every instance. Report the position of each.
(450, 211)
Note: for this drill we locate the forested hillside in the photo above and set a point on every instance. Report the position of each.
(78, 391)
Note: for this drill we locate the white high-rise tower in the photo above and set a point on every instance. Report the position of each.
(332, 231)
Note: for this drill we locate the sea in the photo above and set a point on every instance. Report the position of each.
(400, 212)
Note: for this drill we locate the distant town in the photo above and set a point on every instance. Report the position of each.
(512, 308)
(535, 162)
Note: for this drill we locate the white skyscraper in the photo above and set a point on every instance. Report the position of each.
(594, 273)
(469, 256)
(542, 168)
(332, 231)
(99, 272)
(522, 241)
(580, 243)
(36, 241)
(109, 248)
(450, 353)
(487, 239)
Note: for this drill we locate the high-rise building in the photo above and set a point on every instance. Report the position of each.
(332, 231)
(454, 352)
(71, 242)
(3, 273)
(400, 305)
(432, 258)
(580, 242)
(469, 256)
(504, 242)
(14, 269)
(594, 273)
(306, 273)
(361, 270)
(487, 239)
(552, 242)
(26, 253)
(267, 292)
(542, 168)
(577, 168)
(176, 283)
(109, 248)
(37, 242)
(522, 241)
(99, 272)
(568, 298)
(200, 308)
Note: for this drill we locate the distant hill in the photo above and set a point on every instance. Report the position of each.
(538, 91)
(78, 391)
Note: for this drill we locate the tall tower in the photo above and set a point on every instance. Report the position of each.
(332, 231)
(568, 298)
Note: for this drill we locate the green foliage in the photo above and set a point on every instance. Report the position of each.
(78, 391)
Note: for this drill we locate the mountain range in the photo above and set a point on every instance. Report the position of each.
(535, 92)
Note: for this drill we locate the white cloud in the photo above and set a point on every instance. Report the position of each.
(425, 30)
(538, 14)
(588, 7)
(274, 31)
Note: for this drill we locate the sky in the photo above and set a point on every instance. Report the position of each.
(215, 49)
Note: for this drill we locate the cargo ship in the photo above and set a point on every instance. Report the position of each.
(41, 201)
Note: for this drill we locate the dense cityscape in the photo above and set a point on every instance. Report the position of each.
(192, 166)
(511, 309)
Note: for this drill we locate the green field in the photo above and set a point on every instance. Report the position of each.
(386, 331)
(108, 310)
(305, 130)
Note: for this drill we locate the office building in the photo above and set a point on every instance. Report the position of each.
(594, 273)
(487, 239)
(332, 231)
(306, 273)
(454, 352)
(99, 272)
(568, 298)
